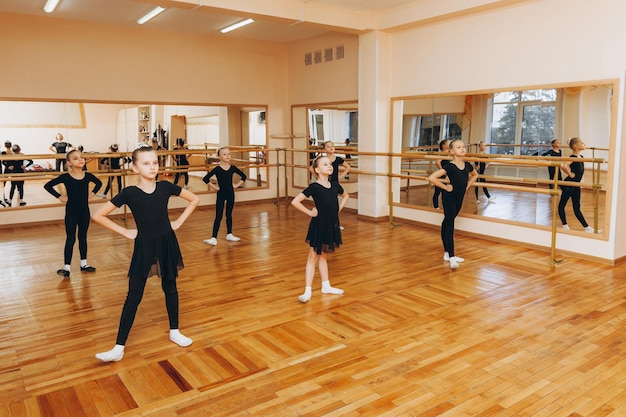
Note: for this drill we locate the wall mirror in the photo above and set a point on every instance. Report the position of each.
(516, 123)
(314, 124)
(96, 126)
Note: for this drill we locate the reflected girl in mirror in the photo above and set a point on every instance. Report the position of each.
(443, 147)
(77, 216)
(574, 172)
(225, 194)
(461, 176)
(554, 151)
(4, 202)
(481, 167)
(182, 160)
(17, 167)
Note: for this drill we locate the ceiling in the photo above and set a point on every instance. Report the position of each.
(205, 16)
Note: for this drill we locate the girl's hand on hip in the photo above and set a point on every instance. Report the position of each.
(130, 233)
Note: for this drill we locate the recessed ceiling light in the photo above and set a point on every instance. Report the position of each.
(236, 25)
(50, 6)
(150, 15)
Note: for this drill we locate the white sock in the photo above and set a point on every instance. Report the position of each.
(83, 263)
(446, 256)
(565, 227)
(306, 296)
(66, 267)
(113, 355)
(177, 337)
(327, 289)
(453, 263)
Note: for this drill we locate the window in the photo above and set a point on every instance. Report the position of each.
(523, 121)
(429, 130)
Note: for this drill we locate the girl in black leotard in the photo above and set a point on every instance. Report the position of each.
(17, 166)
(76, 199)
(156, 250)
(574, 172)
(461, 176)
(225, 194)
(481, 167)
(114, 164)
(181, 161)
(443, 147)
(324, 234)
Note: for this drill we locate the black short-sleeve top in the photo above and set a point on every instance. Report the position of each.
(149, 210)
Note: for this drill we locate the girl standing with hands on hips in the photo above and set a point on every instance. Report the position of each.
(574, 172)
(324, 234)
(156, 250)
(225, 194)
(76, 199)
(461, 175)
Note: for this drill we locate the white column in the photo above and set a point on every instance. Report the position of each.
(374, 115)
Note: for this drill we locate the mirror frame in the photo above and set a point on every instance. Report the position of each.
(397, 124)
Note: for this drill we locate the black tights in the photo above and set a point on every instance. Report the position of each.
(219, 209)
(136, 286)
(185, 176)
(451, 207)
(574, 194)
(110, 181)
(73, 222)
(19, 185)
(484, 188)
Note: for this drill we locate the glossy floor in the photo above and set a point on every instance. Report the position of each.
(506, 334)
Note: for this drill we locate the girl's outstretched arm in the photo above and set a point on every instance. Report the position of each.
(193, 203)
(297, 203)
(101, 217)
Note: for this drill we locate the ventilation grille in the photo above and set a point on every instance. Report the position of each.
(328, 55)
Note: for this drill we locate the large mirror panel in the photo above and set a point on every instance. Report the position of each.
(187, 136)
(315, 124)
(517, 127)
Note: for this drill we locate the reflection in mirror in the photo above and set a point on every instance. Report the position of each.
(187, 136)
(514, 124)
(312, 126)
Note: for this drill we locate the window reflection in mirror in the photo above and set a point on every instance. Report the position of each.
(514, 123)
(315, 124)
(101, 127)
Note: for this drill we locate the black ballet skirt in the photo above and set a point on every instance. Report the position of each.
(156, 256)
(324, 234)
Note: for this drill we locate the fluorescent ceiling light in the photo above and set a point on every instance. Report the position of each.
(50, 6)
(236, 25)
(150, 14)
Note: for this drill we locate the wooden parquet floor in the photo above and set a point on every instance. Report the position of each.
(506, 334)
